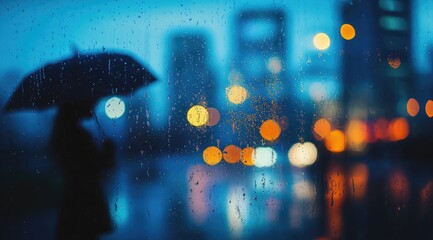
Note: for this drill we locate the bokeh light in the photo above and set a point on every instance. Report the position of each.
(212, 155)
(237, 94)
(302, 154)
(317, 92)
(336, 185)
(347, 31)
(247, 156)
(399, 185)
(232, 154)
(235, 76)
(114, 108)
(197, 116)
(237, 211)
(270, 130)
(357, 135)
(429, 108)
(335, 196)
(359, 179)
(398, 129)
(412, 107)
(304, 190)
(336, 141)
(381, 129)
(264, 157)
(321, 128)
(274, 65)
(321, 41)
(214, 116)
(197, 193)
(394, 62)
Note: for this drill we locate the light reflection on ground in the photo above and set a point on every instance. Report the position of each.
(181, 197)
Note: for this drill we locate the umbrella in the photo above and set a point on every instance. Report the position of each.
(80, 78)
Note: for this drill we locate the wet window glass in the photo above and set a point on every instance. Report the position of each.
(216, 119)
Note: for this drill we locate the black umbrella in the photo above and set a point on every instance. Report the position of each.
(80, 78)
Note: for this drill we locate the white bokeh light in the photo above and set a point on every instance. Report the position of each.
(302, 154)
(264, 157)
(114, 108)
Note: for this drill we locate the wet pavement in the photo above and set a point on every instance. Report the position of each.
(169, 197)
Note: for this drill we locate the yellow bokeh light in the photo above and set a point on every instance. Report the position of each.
(247, 156)
(347, 31)
(212, 155)
(322, 128)
(197, 115)
(336, 141)
(270, 130)
(321, 41)
(237, 94)
(412, 107)
(429, 108)
(232, 154)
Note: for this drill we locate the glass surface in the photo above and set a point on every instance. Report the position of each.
(216, 120)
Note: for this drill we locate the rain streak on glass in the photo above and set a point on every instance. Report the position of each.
(247, 119)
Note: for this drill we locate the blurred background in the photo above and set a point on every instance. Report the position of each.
(286, 119)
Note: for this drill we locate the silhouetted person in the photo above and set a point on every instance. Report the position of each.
(83, 211)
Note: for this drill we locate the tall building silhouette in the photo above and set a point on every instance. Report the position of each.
(260, 66)
(377, 70)
(191, 82)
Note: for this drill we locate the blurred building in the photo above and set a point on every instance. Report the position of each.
(377, 67)
(260, 67)
(260, 53)
(191, 82)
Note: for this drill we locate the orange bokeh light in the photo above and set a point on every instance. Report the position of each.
(359, 180)
(347, 31)
(336, 141)
(212, 155)
(270, 130)
(398, 129)
(412, 107)
(335, 196)
(357, 135)
(322, 128)
(232, 154)
(394, 62)
(247, 156)
(429, 108)
(336, 185)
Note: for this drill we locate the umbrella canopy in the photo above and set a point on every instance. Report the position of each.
(80, 78)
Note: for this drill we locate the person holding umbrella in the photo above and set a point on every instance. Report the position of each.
(75, 85)
(83, 211)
